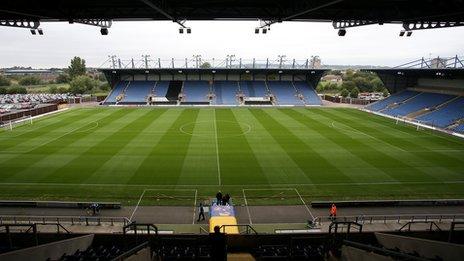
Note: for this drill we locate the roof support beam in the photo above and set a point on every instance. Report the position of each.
(164, 13)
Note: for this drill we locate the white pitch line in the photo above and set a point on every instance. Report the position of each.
(194, 206)
(217, 149)
(246, 204)
(137, 206)
(304, 203)
(365, 134)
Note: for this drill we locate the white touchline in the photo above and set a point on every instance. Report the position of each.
(217, 149)
(247, 208)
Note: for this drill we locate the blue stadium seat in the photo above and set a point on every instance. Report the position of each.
(308, 92)
(419, 102)
(226, 92)
(161, 88)
(459, 128)
(284, 93)
(196, 91)
(445, 115)
(254, 88)
(138, 91)
(118, 88)
(396, 98)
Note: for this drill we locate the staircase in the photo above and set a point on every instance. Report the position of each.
(174, 89)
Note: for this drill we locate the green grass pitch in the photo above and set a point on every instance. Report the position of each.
(114, 154)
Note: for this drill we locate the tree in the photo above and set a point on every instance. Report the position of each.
(62, 78)
(344, 93)
(16, 90)
(3, 90)
(82, 84)
(53, 90)
(77, 67)
(205, 65)
(385, 92)
(30, 80)
(62, 90)
(348, 85)
(4, 81)
(354, 93)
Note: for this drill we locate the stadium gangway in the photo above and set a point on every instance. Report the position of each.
(72, 220)
(363, 219)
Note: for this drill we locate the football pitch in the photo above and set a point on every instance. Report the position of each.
(177, 156)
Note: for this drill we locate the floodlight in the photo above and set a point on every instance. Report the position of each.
(341, 32)
(409, 33)
(402, 33)
(189, 30)
(264, 30)
(40, 31)
(181, 30)
(256, 30)
(33, 31)
(104, 31)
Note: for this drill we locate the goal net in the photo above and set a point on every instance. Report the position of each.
(10, 125)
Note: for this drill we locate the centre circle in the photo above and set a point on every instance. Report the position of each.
(209, 129)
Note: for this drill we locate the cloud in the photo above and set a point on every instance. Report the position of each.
(368, 45)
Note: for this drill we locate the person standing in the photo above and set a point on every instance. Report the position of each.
(201, 213)
(333, 212)
(219, 198)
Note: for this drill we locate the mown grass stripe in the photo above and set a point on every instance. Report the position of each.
(276, 164)
(347, 152)
(237, 159)
(433, 164)
(163, 165)
(315, 165)
(96, 154)
(24, 161)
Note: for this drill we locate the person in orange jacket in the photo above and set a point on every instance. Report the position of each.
(333, 212)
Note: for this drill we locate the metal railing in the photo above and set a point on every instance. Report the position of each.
(68, 220)
(247, 229)
(369, 219)
(145, 62)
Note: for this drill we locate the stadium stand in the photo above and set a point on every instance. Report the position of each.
(446, 114)
(459, 128)
(196, 92)
(254, 88)
(117, 90)
(419, 102)
(284, 93)
(161, 88)
(225, 92)
(137, 92)
(309, 93)
(392, 100)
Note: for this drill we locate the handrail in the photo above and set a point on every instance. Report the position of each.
(134, 227)
(392, 217)
(408, 225)
(33, 227)
(247, 231)
(62, 219)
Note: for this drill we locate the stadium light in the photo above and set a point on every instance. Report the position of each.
(181, 30)
(104, 31)
(33, 31)
(189, 30)
(256, 30)
(409, 33)
(341, 32)
(264, 30)
(402, 33)
(40, 31)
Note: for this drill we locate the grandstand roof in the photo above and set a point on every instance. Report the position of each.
(296, 10)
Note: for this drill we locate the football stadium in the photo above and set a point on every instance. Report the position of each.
(236, 159)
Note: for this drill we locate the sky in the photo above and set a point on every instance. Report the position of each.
(366, 45)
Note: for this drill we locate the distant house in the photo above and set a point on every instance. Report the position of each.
(333, 78)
